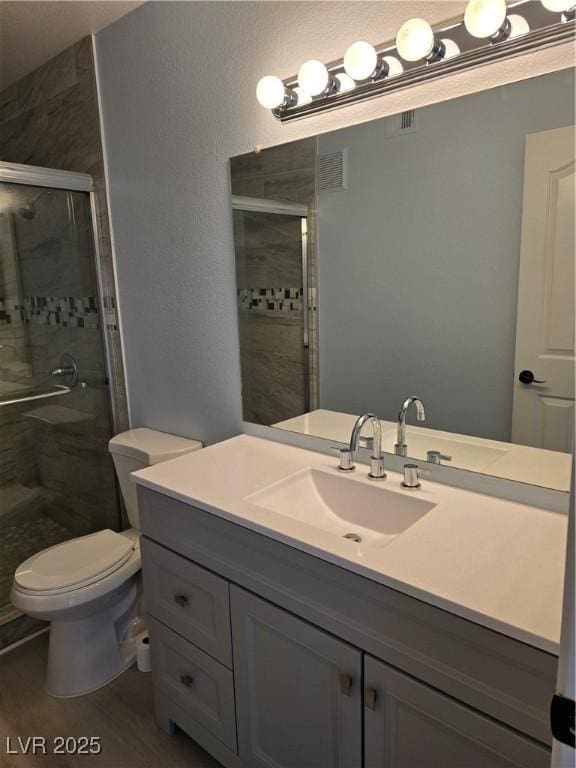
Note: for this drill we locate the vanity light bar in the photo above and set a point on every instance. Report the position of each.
(490, 31)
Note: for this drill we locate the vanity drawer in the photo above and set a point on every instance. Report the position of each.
(202, 687)
(188, 599)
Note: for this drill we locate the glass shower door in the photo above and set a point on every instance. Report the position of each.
(272, 286)
(56, 477)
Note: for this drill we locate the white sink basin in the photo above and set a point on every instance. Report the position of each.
(363, 513)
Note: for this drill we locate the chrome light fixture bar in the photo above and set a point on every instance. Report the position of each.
(491, 31)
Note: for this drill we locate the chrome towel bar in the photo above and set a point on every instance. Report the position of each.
(55, 391)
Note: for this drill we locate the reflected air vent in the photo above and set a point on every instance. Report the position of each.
(333, 171)
(398, 125)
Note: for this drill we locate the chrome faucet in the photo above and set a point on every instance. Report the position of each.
(412, 475)
(376, 460)
(400, 448)
(61, 372)
(437, 457)
(67, 370)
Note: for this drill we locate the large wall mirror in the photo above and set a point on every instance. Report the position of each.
(427, 254)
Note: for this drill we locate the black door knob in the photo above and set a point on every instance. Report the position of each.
(527, 377)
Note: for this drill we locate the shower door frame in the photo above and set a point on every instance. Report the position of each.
(36, 176)
(297, 210)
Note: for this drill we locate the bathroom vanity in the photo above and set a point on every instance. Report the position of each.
(299, 617)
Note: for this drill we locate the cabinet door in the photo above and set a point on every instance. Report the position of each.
(409, 725)
(298, 690)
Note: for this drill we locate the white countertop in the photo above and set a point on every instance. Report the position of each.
(521, 463)
(492, 561)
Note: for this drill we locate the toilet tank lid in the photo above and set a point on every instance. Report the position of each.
(150, 446)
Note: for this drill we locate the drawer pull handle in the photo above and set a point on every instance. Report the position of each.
(181, 600)
(187, 680)
(370, 698)
(345, 684)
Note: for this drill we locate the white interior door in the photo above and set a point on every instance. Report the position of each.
(543, 413)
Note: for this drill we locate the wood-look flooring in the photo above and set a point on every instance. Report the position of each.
(121, 714)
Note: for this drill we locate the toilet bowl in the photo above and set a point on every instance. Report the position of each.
(89, 588)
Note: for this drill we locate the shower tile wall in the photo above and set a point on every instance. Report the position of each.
(50, 118)
(13, 359)
(268, 268)
(17, 465)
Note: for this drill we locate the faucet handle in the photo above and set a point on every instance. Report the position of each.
(346, 459)
(436, 457)
(412, 473)
(377, 468)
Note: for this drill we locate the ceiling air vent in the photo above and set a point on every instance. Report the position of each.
(333, 171)
(398, 125)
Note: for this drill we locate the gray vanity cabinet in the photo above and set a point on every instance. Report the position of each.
(409, 725)
(298, 690)
(272, 658)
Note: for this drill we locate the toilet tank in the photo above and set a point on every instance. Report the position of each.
(140, 448)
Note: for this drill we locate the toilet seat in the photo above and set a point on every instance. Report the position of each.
(74, 564)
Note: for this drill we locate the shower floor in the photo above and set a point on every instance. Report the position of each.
(21, 539)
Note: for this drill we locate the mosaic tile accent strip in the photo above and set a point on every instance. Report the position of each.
(5, 312)
(110, 313)
(270, 299)
(67, 311)
(274, 299)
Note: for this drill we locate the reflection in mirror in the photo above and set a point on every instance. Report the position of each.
(427, 254)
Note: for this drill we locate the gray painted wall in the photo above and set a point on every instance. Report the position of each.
(177, 87)
(419, 258)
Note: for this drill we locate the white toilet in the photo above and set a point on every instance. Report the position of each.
(89, 588)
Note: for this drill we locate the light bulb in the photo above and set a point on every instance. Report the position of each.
(360, 60)
(313, 77)
(483, 18)
(450, 48)
(302, 97)
(415, 40)
(394, 65)
(270, 92)
(518, 25)
(345, 82)
(557, 6)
